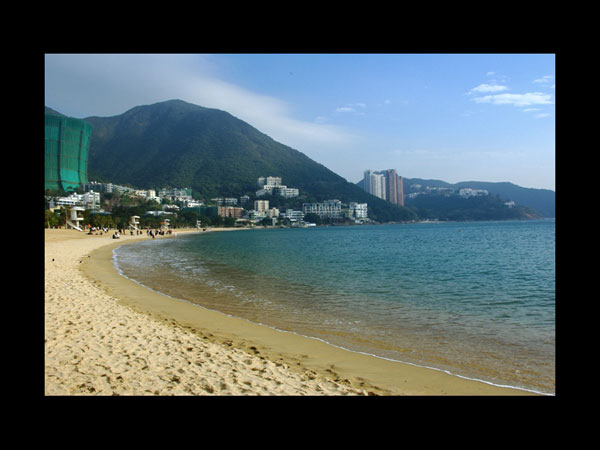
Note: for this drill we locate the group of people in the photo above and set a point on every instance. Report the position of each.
(98, 231)
(117, 233)
(155, 233)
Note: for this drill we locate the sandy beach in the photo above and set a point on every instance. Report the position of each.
(106, 335)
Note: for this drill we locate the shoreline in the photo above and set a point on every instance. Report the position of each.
(286, 363)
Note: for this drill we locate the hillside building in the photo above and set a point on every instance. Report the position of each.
(357, 210)
(176, 194)
(261, 205)
(230, 211)
(331, 209)
(88, 200)
(468, 192)
(272, 185)
(294, 215)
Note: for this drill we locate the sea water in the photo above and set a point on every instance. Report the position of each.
(473, 299)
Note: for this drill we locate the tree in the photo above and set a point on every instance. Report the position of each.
(51, 219)
(229, 222)
(313, 218)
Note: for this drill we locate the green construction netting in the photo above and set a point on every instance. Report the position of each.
(66, 146)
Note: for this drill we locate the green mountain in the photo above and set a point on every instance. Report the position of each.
(541, 200)
(178, 144)
(51, 111)
(457, 208)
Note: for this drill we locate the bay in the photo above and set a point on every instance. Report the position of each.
(474, 299)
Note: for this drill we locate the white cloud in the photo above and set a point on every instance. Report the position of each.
(542, 115)
(543, 80)
(519, 100)
(350, 108)
(489, 88)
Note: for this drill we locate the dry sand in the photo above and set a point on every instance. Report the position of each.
(106, 335)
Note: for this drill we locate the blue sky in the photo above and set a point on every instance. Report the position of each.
(452, 117)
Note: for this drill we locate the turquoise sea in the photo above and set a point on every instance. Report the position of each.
(474, 299)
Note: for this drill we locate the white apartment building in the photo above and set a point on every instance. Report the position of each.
(261, 205)
(71, 200)
(294, 215)
(328, 208)
(109, 188)
(269, 181)
(287, 192)
(176, 194)
(91, 197)
(90, 200)
(269, 184)
(358, 210)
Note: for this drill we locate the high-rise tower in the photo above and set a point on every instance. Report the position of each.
(387, 185)
(391, 186)
(400, 191)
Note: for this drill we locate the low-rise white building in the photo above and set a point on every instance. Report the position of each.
(328, 208)
(71, 200)
(468, 192)
(358, 210)
(287, 192)
(270, 185)
(89, 200)
(193, 203)
(183, 194)
(294, 215)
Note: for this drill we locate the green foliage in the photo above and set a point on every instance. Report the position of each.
(312, 218)
(457, 208)
(51, 219)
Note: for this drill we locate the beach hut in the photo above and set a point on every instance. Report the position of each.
(164, 225)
